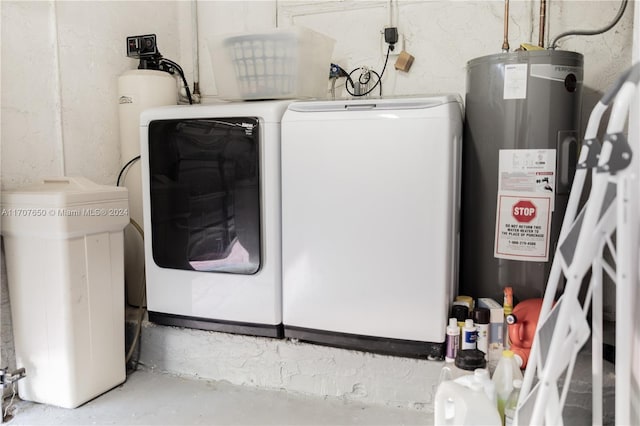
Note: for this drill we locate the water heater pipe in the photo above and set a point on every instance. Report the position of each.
(505, 42)
(617, 18)
(196, 55)
(543, 7)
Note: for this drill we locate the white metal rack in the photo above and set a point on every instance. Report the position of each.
(563, 329)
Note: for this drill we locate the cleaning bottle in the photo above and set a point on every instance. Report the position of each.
(506, 372)
(446, 373)
(466, 362)
(453, 340)
(469, 334)
(512, 403)
(463, 402)
(481, 376)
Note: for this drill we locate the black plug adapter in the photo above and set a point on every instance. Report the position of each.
(391, 36)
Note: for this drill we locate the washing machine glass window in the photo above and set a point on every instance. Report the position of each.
(205, 194)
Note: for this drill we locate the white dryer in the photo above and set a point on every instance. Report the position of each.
(211, 202)
(370, 207)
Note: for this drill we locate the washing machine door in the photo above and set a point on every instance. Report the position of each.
(205, 194)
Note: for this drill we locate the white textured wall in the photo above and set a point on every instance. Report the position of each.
(30, 138)
(222, 17)
(441, 35)
(92, 56)
(60, 64)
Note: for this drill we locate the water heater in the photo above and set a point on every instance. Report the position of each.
(519, 154)
(137, 91)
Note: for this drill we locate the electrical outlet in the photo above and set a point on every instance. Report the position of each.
(399, 46)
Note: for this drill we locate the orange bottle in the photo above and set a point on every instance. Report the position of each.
(507, 307)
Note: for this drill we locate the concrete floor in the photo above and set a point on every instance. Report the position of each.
(151, 398)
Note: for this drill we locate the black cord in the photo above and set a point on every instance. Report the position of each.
(184, 80)
(130, 162)
(368, 78)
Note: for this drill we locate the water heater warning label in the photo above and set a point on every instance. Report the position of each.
(527, 172)
(526, 194)
(515, 81)
(523, 225)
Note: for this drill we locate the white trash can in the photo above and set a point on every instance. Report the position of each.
(63, 243)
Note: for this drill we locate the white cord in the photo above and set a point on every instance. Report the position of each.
(13, 395)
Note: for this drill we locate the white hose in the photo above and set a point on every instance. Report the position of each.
(194, 38)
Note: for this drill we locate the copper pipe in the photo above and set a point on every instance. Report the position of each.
(505, 42)
(543, 7)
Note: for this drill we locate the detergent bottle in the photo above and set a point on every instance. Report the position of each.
(506, 372)
(511, 406)
(463, 402)
(481, 376)
(465, 364)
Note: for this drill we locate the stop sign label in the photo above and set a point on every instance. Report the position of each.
(524, 211)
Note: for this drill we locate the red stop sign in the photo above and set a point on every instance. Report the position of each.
(524, 211)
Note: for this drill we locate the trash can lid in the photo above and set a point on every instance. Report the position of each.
(62, 192)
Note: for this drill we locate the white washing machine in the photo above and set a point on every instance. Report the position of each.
(211, 202)
(370, 206)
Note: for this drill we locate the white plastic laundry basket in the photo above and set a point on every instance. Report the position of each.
(285, 63)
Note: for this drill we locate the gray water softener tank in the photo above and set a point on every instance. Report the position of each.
(522, 111)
